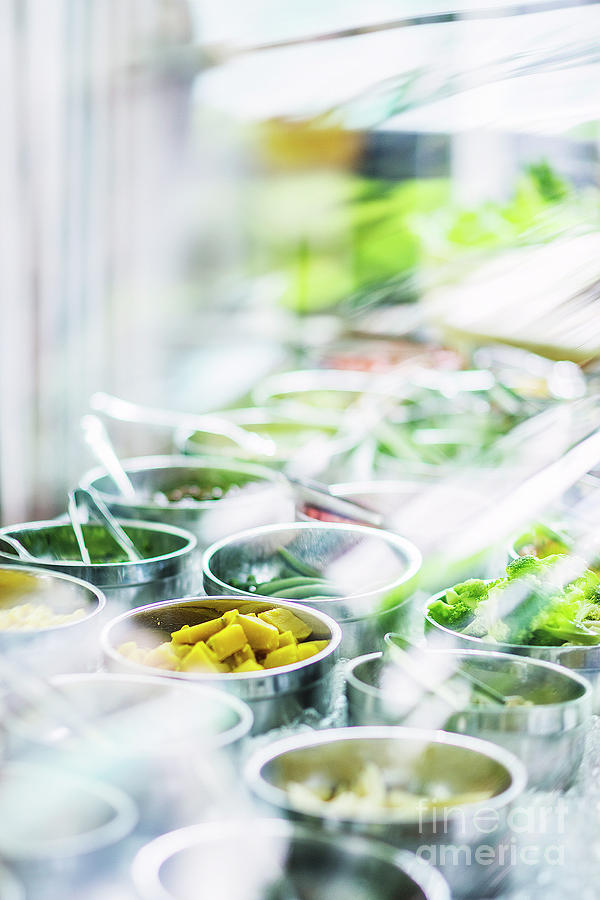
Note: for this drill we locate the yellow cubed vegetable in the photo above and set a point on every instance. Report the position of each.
(231, 617)
(162, 657)
(228, 641)
(285, 620)
(260, 635)
(181, 650)
(310, 648)
(192, 634)
(243, 655)
(200, 658)
(283, 656)
(286, 638)
(248, 666)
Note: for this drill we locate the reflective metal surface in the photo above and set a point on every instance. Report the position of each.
(260, 495)
(154, 738)
(374, 570)
(435, 761)
(169, 565)
(277, 859)
(584, 661)
(276, 696)
(548, 737)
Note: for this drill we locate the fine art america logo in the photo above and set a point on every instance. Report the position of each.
(526, 835)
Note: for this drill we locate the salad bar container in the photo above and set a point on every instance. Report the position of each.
(359, 576)
(280, 860)
(544, 722)
(276, 696)
(205, 495)
(168, 567)
(293, 775)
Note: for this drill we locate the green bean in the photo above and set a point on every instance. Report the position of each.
(297, 564)
(270, 588)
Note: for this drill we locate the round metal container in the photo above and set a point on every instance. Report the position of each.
(584, 661)
(58, 648)
(375, 570)
(169, 567)
(61, 832)
(156, 739)
(436, 761)
(291, 436)
(264, 496)
(278, 859)
(549, 737)
(276, 696)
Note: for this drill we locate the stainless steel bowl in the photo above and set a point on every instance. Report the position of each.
(154, 738)
(584, 661)
(376, 571)
(276, 696)
(259, 858)
(548, 737)
(263, 496)
(434, 762)
(53, 823)
(291, 435)
(59, 648)
(385, 497)
(169, 567)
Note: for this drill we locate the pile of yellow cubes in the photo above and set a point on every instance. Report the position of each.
(232, 643)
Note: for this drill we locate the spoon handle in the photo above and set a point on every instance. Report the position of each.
(78, 531)
(93, 501)
(96, 436)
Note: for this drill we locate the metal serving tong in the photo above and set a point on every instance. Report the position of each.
(93, 502)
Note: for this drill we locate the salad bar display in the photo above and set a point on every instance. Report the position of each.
(242, 641)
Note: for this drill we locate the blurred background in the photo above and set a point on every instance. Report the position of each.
(196, 194)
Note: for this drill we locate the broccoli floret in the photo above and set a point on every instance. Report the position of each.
(452, 615)
(471, 592)
(524, 565)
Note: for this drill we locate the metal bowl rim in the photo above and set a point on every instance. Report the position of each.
(278, 796)
(181, 461)
(560, 671)
(39, 571)
(411, 552)
(245, 716)
(150, 858)
(175, 531)
(221, 677)
(122, 823)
